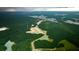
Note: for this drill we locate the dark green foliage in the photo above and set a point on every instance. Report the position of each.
(43, 44)
(60, 31)
(2, 48)
(18, 24)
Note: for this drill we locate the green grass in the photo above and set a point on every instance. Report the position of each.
(25, 44)
(43, 44)
(68, 45)
(22, 46)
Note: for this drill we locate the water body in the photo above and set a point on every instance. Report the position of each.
(9, 45)
(3, 28)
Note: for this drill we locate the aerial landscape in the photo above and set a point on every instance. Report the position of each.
(43, 30)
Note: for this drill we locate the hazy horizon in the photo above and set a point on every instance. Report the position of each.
(15, 9)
